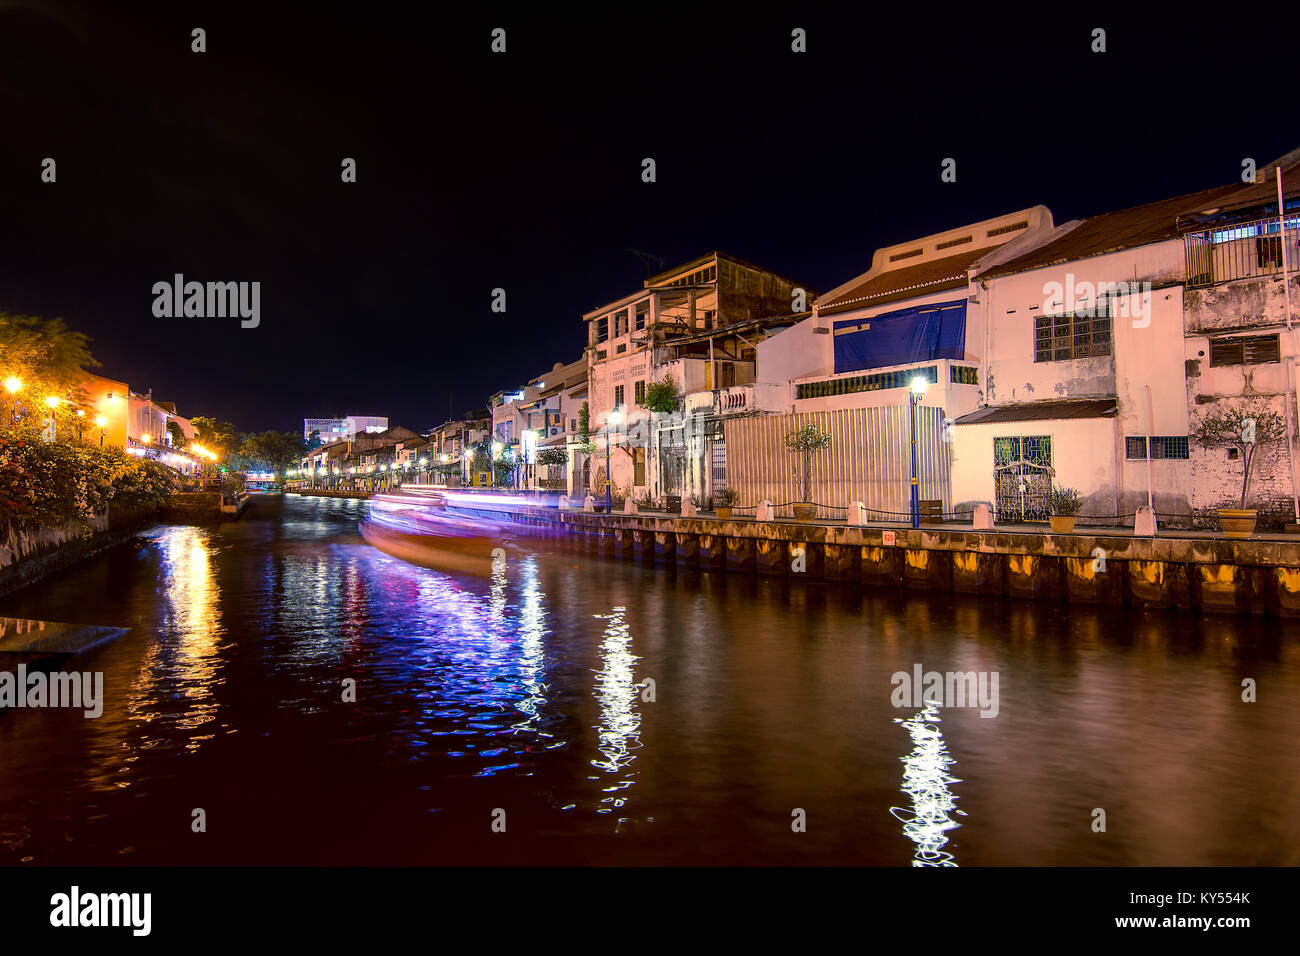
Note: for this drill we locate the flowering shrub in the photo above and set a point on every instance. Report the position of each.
(50, 483)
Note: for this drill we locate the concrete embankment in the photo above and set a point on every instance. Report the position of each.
(1194, 572)
(26, 557)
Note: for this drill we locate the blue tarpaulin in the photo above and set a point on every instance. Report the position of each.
(919, 334)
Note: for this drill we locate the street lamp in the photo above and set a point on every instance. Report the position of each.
(919, 384)
(13, 384)
(101, 421)
(613, 419)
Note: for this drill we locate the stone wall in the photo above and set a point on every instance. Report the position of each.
(26, 557)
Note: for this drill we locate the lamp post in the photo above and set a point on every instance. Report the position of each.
(919, 385)
(613, 419)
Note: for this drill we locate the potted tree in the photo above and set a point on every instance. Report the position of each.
(723, 502)
(803, 442)
(1065, 504)
(1245, 429)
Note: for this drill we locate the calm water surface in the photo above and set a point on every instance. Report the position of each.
(523, 693)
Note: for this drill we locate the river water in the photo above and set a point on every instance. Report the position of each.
(573, 709)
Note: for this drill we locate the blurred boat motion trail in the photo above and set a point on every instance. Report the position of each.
(446, 530)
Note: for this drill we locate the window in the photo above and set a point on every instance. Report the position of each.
(1162, 446)
(600, 355)
(1029, 449)
(1246, 350)
(573, 424)
(865, 383)
(964, 375)
(618, 396)
(640, 316)
(620, 349)
(638, 391)
(708, 318)
(1080, 335)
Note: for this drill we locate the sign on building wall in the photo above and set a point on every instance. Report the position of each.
(919, 334)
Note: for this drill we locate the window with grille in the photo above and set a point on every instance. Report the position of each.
(618, 396)
(638, 390)
(1247, 350)
(1030, 449)
(1162, 446)
(866, 383)
(1072, 336)
(965, 375)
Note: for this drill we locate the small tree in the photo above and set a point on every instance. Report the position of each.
(584, 424)
(804, 442)
(662, 396)
(1244, 429)
(552, 456)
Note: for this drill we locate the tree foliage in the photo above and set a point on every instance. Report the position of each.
(44, 484)
(275, 451)
(803, 442)
(46, 358)
(661, 396)
(218, 437)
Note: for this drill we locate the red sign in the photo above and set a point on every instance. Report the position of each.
(888, 538)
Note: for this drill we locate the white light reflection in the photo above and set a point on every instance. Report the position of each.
(925, 780)
(616, 691)
(532, 628)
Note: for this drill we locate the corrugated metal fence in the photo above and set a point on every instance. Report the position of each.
(869, 459)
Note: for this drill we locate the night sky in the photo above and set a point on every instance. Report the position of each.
(523, 170)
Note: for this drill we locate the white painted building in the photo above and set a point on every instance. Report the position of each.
(1085, 365)
(342, 429)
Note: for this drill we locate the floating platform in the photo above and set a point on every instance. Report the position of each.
(23, 636)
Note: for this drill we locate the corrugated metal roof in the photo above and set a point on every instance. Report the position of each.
(1141, 225)
(1041, 411)
(896, 284)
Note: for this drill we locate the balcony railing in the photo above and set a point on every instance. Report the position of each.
(1242, 250)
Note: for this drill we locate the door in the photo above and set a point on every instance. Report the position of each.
(1022, 478)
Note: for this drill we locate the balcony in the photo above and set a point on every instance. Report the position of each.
(739, 399)
(1244, 250)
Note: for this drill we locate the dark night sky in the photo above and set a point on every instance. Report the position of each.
(523, 171)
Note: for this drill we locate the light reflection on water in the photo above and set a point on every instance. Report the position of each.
(925, 780)
(620, 724)
(521, 690)
(182, 672)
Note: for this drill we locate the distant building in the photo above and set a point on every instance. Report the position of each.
(342, 429)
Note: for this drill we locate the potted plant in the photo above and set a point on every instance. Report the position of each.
(724, 501)
(1245, 429)
(803, 442)
(1065, 504)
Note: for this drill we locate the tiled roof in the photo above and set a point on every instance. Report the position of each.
(896, 284)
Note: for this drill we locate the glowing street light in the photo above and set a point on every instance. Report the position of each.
(52, 401)
(14, 384)
(919, 384)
